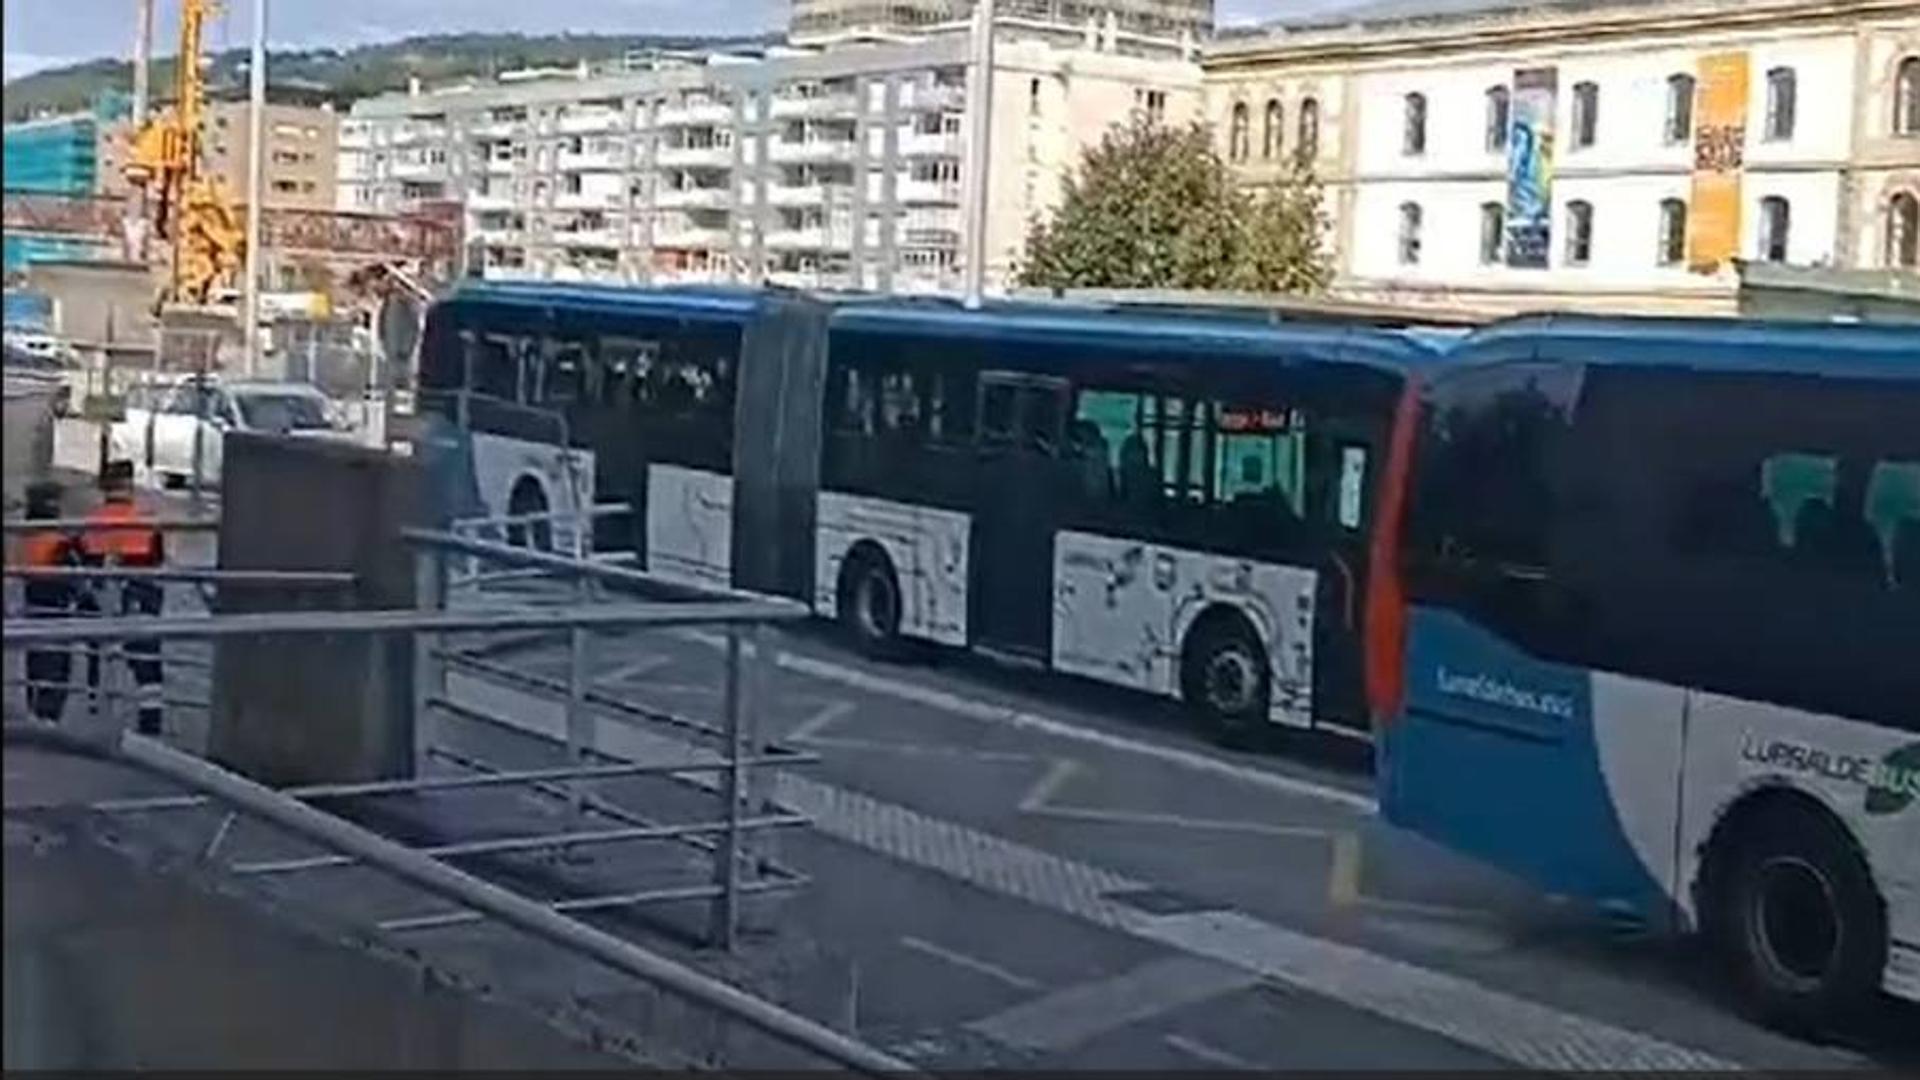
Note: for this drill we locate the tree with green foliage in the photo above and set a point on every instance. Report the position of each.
(1154, 207)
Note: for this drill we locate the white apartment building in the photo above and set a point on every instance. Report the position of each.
(838, 167)
(1684, 134)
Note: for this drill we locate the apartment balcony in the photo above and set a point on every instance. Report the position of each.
(590, 121)
(700, 114)
(607, 237)
(593, 160)
(693, 197)
(810, 238)
(501, 166)
(498, 129)
(800, 195)
(922, 98)
(938, 144)
(682, 156)
(694, 237)
(418, 170)
(826, 105)
(813, 150)
(928, 192)
(588, 200)
(489, 200)
(500, 235)
(355, 137)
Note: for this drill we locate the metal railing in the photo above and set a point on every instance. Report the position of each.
(723, 764)
(291, 811)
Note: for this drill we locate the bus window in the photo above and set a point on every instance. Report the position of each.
(556, 375)
(1789, 482)
(1353, 481)
(1260, 459)
(999, 402)
(493, 365)
(1893, 509)
(1022, 410)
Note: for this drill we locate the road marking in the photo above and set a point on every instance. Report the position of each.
(1343, 880)
(973, 964)
(1069, 1017)
(1174, 821)
(1520, 1030)
(1028, 721)
(1211, 1055)
(880, 746)
(628, 672)
(1049, 784)
(830, 713)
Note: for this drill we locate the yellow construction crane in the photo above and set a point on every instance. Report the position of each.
(187, 208)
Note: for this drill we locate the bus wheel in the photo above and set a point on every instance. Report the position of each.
(527, 499)
(1798, 920)
(870, 602)
(1224, 674)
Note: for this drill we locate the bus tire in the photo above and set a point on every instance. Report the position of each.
(528, 498)
(1795, 916)
(869, 601)
(1224, 674)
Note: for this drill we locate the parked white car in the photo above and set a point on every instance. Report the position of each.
(159, 432)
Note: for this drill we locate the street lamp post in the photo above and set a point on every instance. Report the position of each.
(256, 151)
(979, 148)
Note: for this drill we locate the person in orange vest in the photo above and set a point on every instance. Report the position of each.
(112, 539)
(49, 598)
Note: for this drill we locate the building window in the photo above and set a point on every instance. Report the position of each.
(1903, 231)
(1775, 221)
(1493, 232)
(1409, 234)
(1499, 115)
(1307, 146)
(1679, 109)
(1906, 97)
(1413, 135)
(1780, 103)
(1586, 114)
(1237, 133)
(1033, 97)
(1579, 233)
(1271, 133)
(1673, 232)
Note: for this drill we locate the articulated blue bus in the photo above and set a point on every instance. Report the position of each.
(1169, 501)
(1647, 631)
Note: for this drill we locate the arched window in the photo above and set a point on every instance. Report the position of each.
(1270, 135)
(1499, 115)
(1413, 133)
(1409, 234)
(1781, 92)
(1679, 108)
(1903, 231)
(1579, 233)
(1776, 219)
(1237, 133)
(1493, 232)
(1673, 232)
(1906, 97)
(1586, 114)
(1307, 146)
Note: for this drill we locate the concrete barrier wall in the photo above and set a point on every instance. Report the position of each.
(311, 708)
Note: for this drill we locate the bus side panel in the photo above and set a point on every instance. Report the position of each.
(927, 547)
(1498, 754)
(776, 449)
(689, 525)
(1866, 774)
(1122, 608)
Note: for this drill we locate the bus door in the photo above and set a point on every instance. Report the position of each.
(1341, 467)
(1022, 420)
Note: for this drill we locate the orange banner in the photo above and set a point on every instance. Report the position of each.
(1719, 148)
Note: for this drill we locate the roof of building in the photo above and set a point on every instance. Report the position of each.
(1852, 350)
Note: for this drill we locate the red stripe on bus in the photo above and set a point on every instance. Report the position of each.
(1386, 630)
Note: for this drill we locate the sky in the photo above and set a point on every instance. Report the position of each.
(48, 33)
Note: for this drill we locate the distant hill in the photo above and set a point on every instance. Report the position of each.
(345, 75)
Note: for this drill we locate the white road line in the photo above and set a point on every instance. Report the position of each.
(1214, 1056)
(878, 746)
(830, 713)
(637, 668)
(1505, 1025)
(1049, 783)
(959, 705)
(1069, 1017)
(1174, 821)
(1028, 721)
(970, 963)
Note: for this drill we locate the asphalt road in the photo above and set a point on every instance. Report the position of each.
(1015, 868)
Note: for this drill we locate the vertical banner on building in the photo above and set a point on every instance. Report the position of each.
(1530, 167)
(1719, 144)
